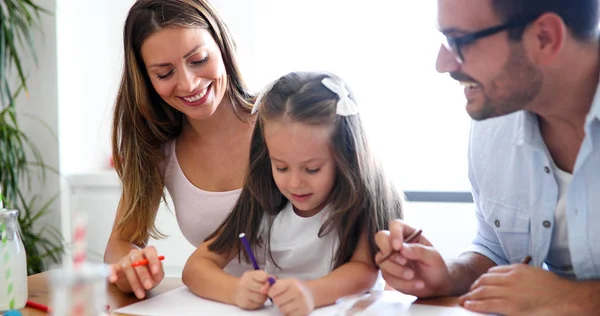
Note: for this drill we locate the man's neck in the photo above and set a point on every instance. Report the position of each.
(570, 89)
(565, 103)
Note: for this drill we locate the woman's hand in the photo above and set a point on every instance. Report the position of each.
(137, 279)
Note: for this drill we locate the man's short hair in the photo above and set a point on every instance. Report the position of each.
(580, 16)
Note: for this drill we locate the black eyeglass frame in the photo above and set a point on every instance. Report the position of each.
(454, 44)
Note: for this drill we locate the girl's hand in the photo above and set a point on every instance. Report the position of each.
(139, 279)
(251, 290)
(292, 297)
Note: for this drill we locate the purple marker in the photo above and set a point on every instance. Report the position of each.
(251, 255)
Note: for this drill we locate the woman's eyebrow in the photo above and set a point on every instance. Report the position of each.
(190, 53)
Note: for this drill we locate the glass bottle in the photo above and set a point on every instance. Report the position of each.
(13, 262)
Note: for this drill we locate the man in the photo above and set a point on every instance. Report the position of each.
(531, 71)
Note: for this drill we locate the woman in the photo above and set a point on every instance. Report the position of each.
(182, 121)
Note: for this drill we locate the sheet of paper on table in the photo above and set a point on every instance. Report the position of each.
(182, 302)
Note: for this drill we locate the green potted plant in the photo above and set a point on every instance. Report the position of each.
(20, 160)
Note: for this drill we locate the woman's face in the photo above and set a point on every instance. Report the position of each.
(186, 70)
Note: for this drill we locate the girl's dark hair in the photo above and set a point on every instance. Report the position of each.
(362, 199)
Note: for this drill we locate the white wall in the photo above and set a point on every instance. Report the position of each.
(450, 227)
(41, 104)
(89, 54)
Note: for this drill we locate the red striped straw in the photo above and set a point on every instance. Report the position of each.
(79, 245)
(79, 258)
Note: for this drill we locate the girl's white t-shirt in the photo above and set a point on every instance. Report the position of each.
(298, 250)
(199, 212)
(296, 247)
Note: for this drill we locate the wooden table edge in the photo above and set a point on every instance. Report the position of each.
(38, 292)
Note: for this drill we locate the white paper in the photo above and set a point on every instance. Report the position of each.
(182, 302)
(423, 310)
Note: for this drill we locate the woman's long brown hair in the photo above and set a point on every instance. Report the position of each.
(362, 200)
(143, 123)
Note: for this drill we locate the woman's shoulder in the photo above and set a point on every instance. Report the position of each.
(168, 151)
(169, 148)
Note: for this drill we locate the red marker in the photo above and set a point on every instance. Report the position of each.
(38, 306)
(45, 308)
(144, 262)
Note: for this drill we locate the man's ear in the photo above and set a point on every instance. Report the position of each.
(544, 38)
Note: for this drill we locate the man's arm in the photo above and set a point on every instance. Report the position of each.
(465, 270)
(520, 289)
(585, 298)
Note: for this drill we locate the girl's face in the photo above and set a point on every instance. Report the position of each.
(186, 70)
(303, 168)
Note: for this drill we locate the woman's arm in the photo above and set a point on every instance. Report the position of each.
(354, 277)
(120, 253)
(118, 247)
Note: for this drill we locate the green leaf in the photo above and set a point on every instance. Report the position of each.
(18, 21)
(20, 159)
(47, 243)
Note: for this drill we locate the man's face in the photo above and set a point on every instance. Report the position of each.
(496, 73)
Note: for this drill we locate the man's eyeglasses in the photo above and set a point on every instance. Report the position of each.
(454, 44)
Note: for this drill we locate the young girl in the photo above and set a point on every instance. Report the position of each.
(311, 204)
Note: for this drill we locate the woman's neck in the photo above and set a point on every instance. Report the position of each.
(222, 125)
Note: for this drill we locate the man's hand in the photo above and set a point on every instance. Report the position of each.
(416, 268)
(520, 289)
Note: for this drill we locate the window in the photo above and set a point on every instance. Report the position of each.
(386, 51)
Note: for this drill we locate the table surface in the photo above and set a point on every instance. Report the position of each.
(38, 292)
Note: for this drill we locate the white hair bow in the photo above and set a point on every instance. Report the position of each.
(345, 105)
(261, 95)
